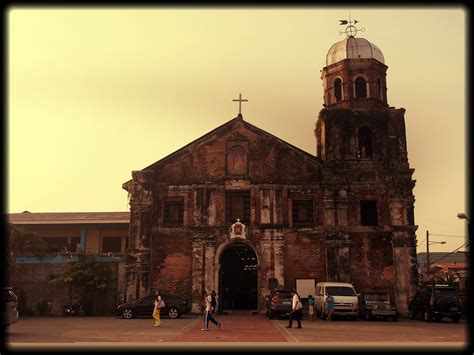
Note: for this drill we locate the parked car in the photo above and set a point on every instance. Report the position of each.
(175, 307)
(278, 303)
(346, 302)
(10, 306)
(436, 302)
(377, 305)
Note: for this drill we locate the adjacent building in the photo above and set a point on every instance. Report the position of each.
(79, 236)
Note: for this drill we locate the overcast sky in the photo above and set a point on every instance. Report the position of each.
(94, 93)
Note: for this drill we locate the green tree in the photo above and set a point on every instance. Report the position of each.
(21, 242)
(88, 279)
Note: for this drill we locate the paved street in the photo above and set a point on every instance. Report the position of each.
(254, 330)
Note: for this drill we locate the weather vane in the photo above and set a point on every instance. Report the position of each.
(350, 30)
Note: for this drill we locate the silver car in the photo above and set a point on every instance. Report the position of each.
(10, 306)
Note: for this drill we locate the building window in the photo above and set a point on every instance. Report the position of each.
(74, 244)
(237, 205)
(303, 212)
(56, 244)
(174, 211)
(368, 213)
(111, 244)
(338, 89)
(379, 89)
(364, 148)
(360, 88)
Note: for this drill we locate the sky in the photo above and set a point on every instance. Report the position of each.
(95, 93)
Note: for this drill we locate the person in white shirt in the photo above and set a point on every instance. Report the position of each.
(296, 309)
(208, 314)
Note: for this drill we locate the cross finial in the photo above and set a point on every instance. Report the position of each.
(240, 100)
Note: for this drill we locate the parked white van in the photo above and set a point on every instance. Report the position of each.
(346, 302)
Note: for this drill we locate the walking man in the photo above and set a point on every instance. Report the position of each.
(296, 309)
(208, 313)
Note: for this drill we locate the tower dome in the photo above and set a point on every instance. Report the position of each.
(355, 74)
(353, 48)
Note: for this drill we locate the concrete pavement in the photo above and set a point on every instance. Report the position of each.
(247, 331)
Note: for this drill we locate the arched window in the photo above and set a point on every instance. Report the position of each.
(379, 89)
(364, 146)
(360, 88)
(338, 89)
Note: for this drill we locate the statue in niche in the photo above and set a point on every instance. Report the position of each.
(237, 160)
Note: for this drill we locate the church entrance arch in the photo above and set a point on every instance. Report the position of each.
(238, 277)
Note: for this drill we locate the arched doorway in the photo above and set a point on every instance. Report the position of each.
(238, 277)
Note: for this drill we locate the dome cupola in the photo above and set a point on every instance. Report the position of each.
(353, 48)
(355, 73)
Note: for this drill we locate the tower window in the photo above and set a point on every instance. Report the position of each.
(338, 89)
(368, 213)
(360, 88)
(364, 148)
(379, 89)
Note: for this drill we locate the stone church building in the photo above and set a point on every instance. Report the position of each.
(241, 211)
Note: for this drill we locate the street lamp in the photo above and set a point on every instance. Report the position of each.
(428, 243)
(463, 216)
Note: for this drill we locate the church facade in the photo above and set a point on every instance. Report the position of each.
(241, 211)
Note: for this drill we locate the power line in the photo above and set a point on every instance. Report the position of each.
(455, 250)
(453, 236)
(421, 242)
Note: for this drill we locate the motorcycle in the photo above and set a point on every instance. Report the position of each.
(72, 310)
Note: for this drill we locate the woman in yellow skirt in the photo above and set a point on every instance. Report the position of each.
(156, 311)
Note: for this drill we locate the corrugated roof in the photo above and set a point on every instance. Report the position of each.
(451, 265)
(442, 257)
(69, 218)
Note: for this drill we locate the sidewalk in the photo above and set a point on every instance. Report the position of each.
(242, 331)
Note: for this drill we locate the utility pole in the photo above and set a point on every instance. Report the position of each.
(427, 252)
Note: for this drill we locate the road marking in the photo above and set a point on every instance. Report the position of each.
(284, 331)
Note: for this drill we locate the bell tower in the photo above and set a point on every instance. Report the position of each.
(362, 142)
(354, 88)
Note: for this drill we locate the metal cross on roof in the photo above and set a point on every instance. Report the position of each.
(350, 30)
(240, 100)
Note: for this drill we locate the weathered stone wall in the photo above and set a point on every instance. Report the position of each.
(172, 262)
(371, 262)
(304, 257)
(269, 160)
